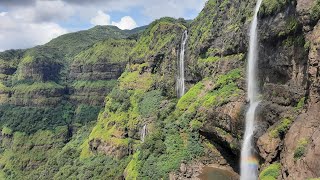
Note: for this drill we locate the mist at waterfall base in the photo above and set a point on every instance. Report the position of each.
(180, 77)
(249, 163)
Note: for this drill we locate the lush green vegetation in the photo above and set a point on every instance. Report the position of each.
(51, 154)
(150, 103)
(300, 103)
(155, 37)
(292, 25)
(31, 119)
(271, 172)
(136, 81)
(315, 11)
(90, 85)
(210, 59)
(73, 43)
(61, 143)
(3, 88)
(223, 89)
(6, 131)
(110, 50)
(281, 128)
(270, 7)
(85, 113)
(31, 89)
(300, 148)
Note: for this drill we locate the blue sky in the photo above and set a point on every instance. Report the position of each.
(26, 23)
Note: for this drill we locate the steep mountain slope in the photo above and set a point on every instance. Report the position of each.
(51, 97)
(53, 76)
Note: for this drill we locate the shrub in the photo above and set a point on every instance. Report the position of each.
(271, 172)
(85, 113)
(190, 96)
(107, 84)
(270, 7)
(110, 50)
(282, 128)
(228, 78)
(6, 131)
(300, 103)
(31, 119)
(195, 125)
(29, 89)
(150, 103)
(300, 149)
(315, 11)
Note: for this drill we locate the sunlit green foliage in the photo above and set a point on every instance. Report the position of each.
(270, 7)
(292, 25)
(99, 84)
(110, 50)
(271, 172)
(300, 148)
(155, 37)
(150, 103)
(73, 43)
(315, 10)
(281, 128)
(30, 89)
(300, 103)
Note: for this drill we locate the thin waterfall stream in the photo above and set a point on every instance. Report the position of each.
(249, 163)
(180, 78)
(144, 132)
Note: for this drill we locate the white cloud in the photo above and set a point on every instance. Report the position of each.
(31, 22)
(44, 11)
(102, 18)
(3, 13)
(125, 23)
(18, 33)
(172, 8)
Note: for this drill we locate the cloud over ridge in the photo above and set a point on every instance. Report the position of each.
(26, 23)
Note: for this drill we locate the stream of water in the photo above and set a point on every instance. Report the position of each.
(180, 78)
(249, 163)
(143, 133)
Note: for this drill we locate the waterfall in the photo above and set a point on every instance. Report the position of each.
(143, 133)
(180, 78)
(249, 163)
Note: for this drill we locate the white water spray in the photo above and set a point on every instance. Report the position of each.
(180, 78)
(144, 132)
(249, 163)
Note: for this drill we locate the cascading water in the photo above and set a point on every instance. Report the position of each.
(143, 133)
(249, 163)
(180, 78)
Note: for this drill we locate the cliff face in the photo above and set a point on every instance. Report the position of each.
(94, 72)
(151, 72)
(138, 78)
(79, 69)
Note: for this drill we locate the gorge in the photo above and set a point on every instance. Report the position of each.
(171, 100)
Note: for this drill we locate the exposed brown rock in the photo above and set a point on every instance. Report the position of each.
(307, 126)
(269, 147)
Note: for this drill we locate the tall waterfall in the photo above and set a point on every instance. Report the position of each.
(249, 163)
(143, 133)
(180, 78)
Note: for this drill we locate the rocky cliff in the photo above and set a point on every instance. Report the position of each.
(138, 73)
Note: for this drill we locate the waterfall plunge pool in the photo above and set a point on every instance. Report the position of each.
(216, 173)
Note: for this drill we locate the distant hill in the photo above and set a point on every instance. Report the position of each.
(73, 43)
